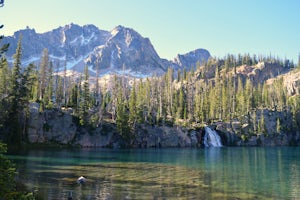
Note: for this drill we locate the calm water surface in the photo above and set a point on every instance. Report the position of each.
(211, 173)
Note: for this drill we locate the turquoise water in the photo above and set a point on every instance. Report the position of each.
(210, 173)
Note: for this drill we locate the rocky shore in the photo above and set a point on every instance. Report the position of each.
(59, 127)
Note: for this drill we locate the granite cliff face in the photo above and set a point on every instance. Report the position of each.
(120, 51)
(50, 126)
(276, 131)
(261, 72)
(193, 58)
(290, 80)
(60, 127)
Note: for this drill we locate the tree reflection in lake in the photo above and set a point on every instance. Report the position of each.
(213, 173)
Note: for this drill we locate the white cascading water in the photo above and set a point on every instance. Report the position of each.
(211, 138)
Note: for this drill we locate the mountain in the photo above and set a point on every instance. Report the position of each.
(120, 51)
(192, 58)
(70, 43)
(126, 51)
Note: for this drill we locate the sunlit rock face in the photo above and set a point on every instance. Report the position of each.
(192, 59)
(119, 51)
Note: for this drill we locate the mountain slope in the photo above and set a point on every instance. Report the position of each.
(193, 58)
(126, 51)
(122, 50)
(68, 43)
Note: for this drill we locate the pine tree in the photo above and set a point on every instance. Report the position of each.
(43, 74)
(47, 100)
(8, 173)
(59, 92)
(122, 117)
(240, 97)
(65, 84)
(169, 90)
(218, 95)
(265, 95)
(224, 100)
(248, 95)
(14, 98)
(261, 124)
(4, 78)
(85, 99)
(4, 47)
(4, 89)
(4, 72)
(254, 122)
(178, 76)
(181, 104)
(133, 108)
(190, 98)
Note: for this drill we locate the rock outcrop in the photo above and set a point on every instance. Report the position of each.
(290, 80)
(164, 136)
(276, 130)
(191, 59)
(50, 126)
(60, 127)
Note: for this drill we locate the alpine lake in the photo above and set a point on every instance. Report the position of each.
(205, 173)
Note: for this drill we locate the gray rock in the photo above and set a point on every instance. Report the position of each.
(50, 126)
(95, 139)
(120, 51)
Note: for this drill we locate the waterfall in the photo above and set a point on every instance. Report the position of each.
(211, 138)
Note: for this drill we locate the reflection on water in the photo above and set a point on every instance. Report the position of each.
(214, 173)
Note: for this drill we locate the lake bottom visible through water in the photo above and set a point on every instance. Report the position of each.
(209, 173)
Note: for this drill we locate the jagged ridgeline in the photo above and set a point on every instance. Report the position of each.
(120, 51)
(115, 83)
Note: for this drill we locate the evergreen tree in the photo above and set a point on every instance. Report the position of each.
(178, 76)
(85, 99)
(4, 78)
(59, 92)
(47, 100)
(181, 104)
(224, 100)
(4, 47)
(261, 124)
(218, 95)
(14, 129)
(133, 108)
(240, 97)
(190, 98)
(43, 74)
(122, 117)
(248, 95)
(265, 95)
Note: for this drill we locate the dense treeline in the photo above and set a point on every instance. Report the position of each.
(11, 80)
(209, 92)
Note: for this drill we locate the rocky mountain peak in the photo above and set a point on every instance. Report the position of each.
(128, 35)
(121, 50)
(190, 59)
(26, 32)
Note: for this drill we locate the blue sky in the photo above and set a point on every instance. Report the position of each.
(174, 26)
